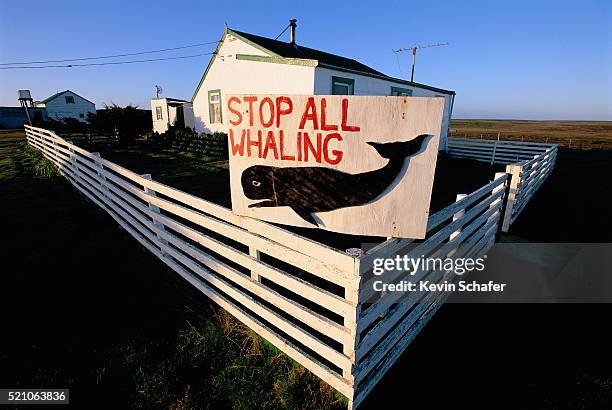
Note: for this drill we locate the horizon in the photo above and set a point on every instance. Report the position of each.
(555, 40)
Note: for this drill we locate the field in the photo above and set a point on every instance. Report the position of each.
(578, 134)
(126, 332)
(85, 307)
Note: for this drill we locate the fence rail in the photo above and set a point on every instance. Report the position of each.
(315, 303)
(495, 151)
(528, 163)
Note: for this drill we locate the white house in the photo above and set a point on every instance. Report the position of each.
(171, 111)
(67, 104)
(246, 63)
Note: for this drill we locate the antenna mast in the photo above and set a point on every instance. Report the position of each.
(414, 51)
(158, 90)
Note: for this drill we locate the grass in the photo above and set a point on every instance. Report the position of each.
(90, 310)
(87, 308)
(583, 134)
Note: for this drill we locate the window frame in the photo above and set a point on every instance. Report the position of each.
(159, 113)
(66, 97)
(401, 90)
(210, 106)
(349, 82)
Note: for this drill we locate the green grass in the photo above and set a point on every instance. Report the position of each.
(220, 363)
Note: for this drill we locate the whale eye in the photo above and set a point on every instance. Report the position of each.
(256, 183)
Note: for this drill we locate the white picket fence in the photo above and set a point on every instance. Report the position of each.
(528, 163)
(313, 302)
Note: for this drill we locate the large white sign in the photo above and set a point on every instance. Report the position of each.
(352, 164)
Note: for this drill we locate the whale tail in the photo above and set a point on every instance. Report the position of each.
(400, 149)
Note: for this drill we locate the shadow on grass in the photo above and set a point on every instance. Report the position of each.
(85, 307)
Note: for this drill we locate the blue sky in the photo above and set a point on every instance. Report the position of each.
(506, 59)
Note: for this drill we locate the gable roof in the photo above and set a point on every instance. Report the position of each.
(54, 96)
(279, 50)
(288, 50)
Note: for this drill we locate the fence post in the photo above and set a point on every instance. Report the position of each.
(501, 199)
(100, 172)
(515, 179)
(75, 167)
(255, 254)
(458, 215)
(155, 210)
(494, 151)
(352, 295)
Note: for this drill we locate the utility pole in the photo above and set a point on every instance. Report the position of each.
(414, 52)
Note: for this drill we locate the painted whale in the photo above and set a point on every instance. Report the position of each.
(318, 189)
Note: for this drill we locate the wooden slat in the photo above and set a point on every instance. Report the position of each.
(382, 327)
(261, 310)
(394, 345)
(317, 259)
(541, 144)
(322, 371)
(329, 301)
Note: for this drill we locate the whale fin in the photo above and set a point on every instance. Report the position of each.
(399, 149)
(304, 213)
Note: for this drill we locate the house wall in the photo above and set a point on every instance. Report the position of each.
(57, 108)
(160, 126)
(365, 85)
(233, 76)
(188, 115)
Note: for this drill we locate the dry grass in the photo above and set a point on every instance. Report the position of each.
(582, 134)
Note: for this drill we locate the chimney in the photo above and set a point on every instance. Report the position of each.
(293, 26)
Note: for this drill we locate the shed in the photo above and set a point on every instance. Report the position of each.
(171, 112)
(245, 63)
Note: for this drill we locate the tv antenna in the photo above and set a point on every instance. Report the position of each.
(414, 51)
(158, 90)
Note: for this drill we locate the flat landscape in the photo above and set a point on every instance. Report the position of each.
(580, 134)
(157, 343)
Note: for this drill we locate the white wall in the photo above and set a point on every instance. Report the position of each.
(58, 109)
(160, 126)
(365, 85)
(233, 76)
(188, 115)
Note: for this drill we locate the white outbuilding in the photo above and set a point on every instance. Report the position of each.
(168, 112)
(245, 63)
(67, 104)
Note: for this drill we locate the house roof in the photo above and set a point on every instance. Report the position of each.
(288, 50)
(54, 96)
(176, 100)
(282, 52)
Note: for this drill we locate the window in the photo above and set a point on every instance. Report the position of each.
(397, 91)
(69, 99)
(158, 113)
(81, 115)
(214, 106)
(343, 86)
